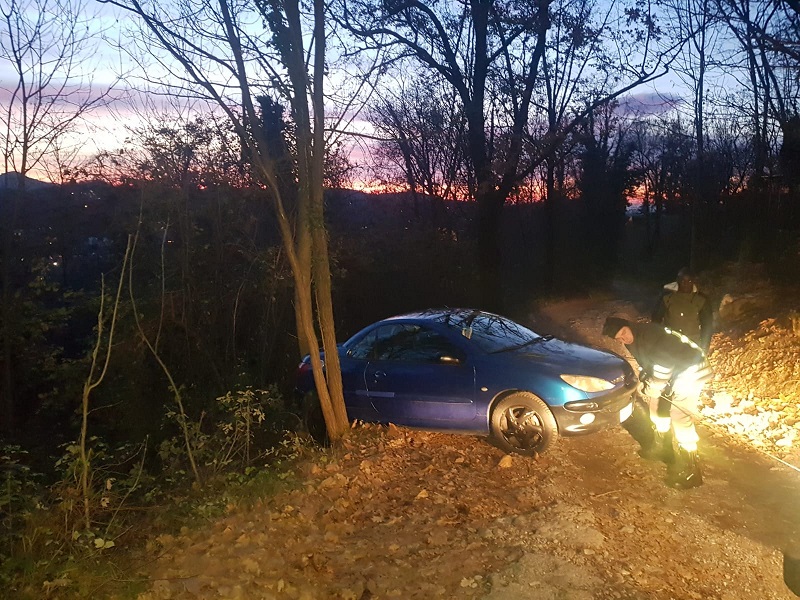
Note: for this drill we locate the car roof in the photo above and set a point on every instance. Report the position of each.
(440, 314)
(452, 318)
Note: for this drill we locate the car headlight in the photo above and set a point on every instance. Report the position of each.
(588, 384)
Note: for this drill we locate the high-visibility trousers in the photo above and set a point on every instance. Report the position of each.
(675, 405)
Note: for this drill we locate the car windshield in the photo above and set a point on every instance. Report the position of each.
(491, 333)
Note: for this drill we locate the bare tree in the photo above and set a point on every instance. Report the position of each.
(491, 53)
(424, 132)
(98, 367)
(573, 60)
(44, 46)
(48, 47)
(605, 181)
(767, 32)
(694, 20)
(229, 54)
(662, 152)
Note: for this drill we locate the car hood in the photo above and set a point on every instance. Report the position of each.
(568, 357)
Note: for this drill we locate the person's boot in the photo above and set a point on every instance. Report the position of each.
(659, 448)
(687, 473)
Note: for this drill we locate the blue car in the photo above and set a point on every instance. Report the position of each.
(470, 371)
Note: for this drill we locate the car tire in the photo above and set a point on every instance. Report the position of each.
(522, 424)
(313, 419)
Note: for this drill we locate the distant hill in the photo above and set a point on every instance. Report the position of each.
(10, 181)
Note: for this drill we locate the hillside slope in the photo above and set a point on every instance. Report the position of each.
(395, 513)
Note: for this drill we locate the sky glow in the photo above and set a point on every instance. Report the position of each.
(120, 57)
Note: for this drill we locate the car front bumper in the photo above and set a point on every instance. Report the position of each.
(612, 410)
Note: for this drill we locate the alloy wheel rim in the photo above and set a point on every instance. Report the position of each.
(522, 427)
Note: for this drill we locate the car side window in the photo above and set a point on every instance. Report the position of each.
(403, 342)
(392, 342)
(382, 343)
(429, 346)
(412, 343)
(365, 348)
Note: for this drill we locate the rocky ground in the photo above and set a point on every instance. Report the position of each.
(395, 513)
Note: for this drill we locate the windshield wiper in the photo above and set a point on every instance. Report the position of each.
(541, 338)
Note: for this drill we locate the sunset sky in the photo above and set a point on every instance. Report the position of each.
(110, 63)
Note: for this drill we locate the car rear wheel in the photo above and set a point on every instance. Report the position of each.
(522, 424)
(313, 419)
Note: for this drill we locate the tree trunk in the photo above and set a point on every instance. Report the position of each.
(700, 186)
(548, 276)
(7, 387)
(314, 280)
(490, 210)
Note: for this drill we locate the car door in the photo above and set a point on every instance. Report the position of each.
(353, 364)
(418, 377)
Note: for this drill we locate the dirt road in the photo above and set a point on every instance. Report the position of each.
(404, 514)
(416, 515)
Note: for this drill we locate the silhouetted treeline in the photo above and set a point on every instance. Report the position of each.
(212, 287)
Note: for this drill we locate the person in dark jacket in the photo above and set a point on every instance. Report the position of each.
(683, 308)
(673, 367)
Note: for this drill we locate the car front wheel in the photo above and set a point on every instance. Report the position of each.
(523, 424)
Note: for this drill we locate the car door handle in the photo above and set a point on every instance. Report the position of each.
(378, 375)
